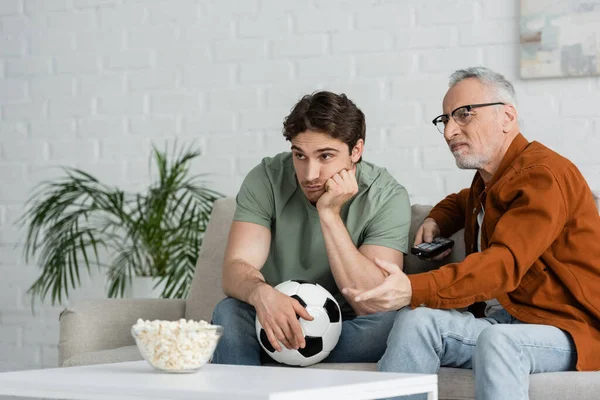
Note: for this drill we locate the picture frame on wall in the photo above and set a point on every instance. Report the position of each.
(559, 38)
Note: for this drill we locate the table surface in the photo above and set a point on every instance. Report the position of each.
(138, 380)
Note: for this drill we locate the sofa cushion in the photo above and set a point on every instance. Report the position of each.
(120, 354)
(564, 385)
(206, 289)
(95, 325)
(456, 383)
(596, 194)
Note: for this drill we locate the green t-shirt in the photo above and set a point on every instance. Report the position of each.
(270, 196)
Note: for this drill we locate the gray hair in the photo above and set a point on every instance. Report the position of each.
(500, 86)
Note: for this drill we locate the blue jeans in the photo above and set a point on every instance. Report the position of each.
(501, 350)
(363, 338)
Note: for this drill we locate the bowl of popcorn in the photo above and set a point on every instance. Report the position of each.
(176, 346)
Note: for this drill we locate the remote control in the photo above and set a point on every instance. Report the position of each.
(428, 250)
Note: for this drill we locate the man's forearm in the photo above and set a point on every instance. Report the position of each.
(349, 267)
(240, 280)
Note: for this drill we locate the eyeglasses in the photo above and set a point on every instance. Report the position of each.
(462, 115)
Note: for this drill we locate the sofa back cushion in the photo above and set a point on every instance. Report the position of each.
(206, 289)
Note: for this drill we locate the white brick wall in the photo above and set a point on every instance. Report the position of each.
(93, 83)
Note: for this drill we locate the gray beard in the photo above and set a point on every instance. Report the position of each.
(471, 161)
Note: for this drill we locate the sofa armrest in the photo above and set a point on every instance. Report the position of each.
(106, 324)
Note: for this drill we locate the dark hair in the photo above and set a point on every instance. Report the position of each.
(326, 112)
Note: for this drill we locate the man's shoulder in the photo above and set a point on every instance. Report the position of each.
(379, 191)
(539, 164)
(278, 161)
(541, 156)
(373, 177)
(275, 174)
(267, 184)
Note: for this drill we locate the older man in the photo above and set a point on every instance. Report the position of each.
(532, 234)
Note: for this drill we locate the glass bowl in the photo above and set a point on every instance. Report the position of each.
(182, 346)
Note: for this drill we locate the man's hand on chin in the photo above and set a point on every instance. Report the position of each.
(338, 190)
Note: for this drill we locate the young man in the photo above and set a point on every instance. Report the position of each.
(532, 234)
(318, 214)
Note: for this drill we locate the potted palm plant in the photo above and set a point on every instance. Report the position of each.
(71, 221)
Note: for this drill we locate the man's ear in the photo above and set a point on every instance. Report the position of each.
(357, 151)
(510, 118)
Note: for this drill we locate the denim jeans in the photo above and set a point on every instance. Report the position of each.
(363, 338)
(500, 350)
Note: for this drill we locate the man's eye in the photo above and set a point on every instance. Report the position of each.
(326, 156)
(299, 156)
(463, 114)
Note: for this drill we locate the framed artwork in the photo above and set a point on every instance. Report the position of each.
(560, 38)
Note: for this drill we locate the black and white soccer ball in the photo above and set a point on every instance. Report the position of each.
(321, 334)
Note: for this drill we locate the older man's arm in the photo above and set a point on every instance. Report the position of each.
(449, 214)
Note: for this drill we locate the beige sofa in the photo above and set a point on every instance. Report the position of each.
(96, 332)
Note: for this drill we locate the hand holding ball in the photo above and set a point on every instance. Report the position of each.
(321, 334)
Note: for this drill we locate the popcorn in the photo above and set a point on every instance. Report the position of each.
(176, 345)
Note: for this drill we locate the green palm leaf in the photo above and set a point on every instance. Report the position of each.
(155, 233)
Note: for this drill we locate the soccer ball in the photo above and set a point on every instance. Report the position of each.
(321, 334)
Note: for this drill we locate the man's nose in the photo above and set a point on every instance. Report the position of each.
(451, 129)
(313, 171)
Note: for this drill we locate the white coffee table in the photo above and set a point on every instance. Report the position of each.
(138, 380)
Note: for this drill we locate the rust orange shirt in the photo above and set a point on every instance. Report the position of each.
(540, 247)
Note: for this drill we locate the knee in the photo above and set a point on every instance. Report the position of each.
(413, 322)
(494, 336)
(493, 342)
(227, 310)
